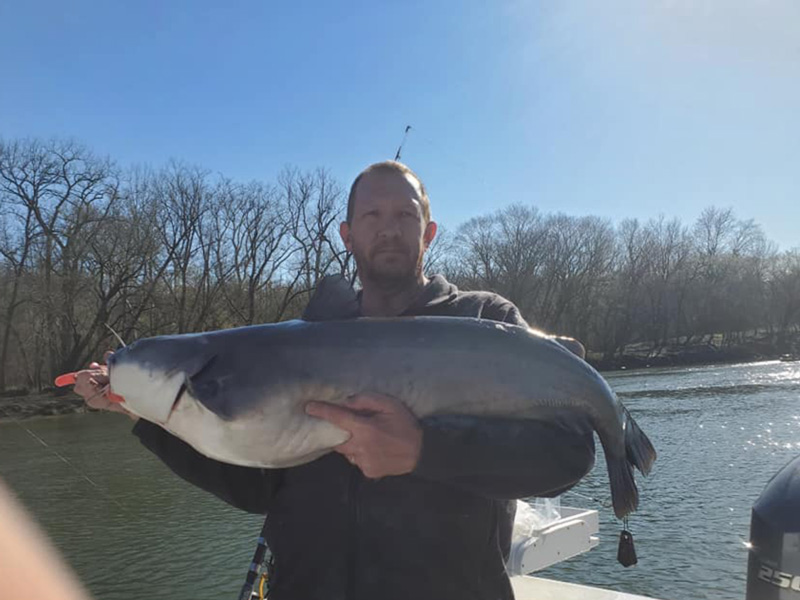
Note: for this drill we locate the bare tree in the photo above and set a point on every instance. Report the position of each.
(255, 247)
(18, 232)
(440, 252)
(475, 263)
(714, 230)
(314, 207)
(68, 192)
(784, 292)
(182, 200)
(669, 255)
(624, 297)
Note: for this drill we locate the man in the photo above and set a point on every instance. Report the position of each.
(405, 508)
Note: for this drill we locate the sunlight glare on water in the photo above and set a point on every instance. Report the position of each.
(721, 432)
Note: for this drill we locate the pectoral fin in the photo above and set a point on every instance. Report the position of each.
(207, 387)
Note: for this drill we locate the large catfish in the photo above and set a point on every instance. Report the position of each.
(238, 395)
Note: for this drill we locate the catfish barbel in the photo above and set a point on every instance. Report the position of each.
(238, 395)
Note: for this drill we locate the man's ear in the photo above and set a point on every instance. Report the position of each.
(344, 232)
(429, 234)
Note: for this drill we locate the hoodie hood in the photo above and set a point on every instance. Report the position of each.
(437, 292)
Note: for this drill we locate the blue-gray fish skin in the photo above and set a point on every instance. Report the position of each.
(238, 395)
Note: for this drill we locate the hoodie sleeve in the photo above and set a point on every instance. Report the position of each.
(245, 488)
(506, 458)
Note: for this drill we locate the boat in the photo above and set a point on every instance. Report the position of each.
(789, 357)
(533, 588)
(546, 533)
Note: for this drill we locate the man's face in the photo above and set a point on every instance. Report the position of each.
(387, 234)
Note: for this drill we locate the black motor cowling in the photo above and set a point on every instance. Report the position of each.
(773, 566)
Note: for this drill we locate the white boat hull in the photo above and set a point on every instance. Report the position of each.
(536, 588)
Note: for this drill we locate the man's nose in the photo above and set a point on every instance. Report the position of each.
(390, 228)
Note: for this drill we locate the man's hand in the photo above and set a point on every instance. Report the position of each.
(90, 384)
(386, 438)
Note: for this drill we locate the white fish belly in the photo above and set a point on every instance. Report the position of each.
(267, 437)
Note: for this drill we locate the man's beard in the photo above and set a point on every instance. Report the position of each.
(401, 272)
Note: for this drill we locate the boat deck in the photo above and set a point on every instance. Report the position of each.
(536, 588)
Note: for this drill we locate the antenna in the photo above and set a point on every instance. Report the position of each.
(405, 135)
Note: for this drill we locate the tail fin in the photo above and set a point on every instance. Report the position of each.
(639, 453)
(624, 495)
(638, 448)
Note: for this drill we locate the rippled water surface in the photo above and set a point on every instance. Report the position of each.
(133, 530)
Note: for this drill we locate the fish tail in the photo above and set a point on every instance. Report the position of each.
(639, 453)
(624, 494)
(638, 448)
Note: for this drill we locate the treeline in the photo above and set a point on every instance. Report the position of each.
(658, 282)
(86, 247)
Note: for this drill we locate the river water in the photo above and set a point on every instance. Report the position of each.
(132, 530)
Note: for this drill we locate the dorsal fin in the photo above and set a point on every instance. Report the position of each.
(572, 345)
(333, 299)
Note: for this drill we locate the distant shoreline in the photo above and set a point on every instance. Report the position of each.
(38, 405)
(48, 404)
(717, 357)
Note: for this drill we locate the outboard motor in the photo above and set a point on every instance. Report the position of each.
(773, 566)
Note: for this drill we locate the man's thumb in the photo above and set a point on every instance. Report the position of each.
(372, 403)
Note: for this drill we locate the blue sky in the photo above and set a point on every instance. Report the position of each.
(619, 108)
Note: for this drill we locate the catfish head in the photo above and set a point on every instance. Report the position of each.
(152, 374)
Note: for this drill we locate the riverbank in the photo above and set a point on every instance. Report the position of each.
(685, 358)
(641, 356)
(45, 404)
